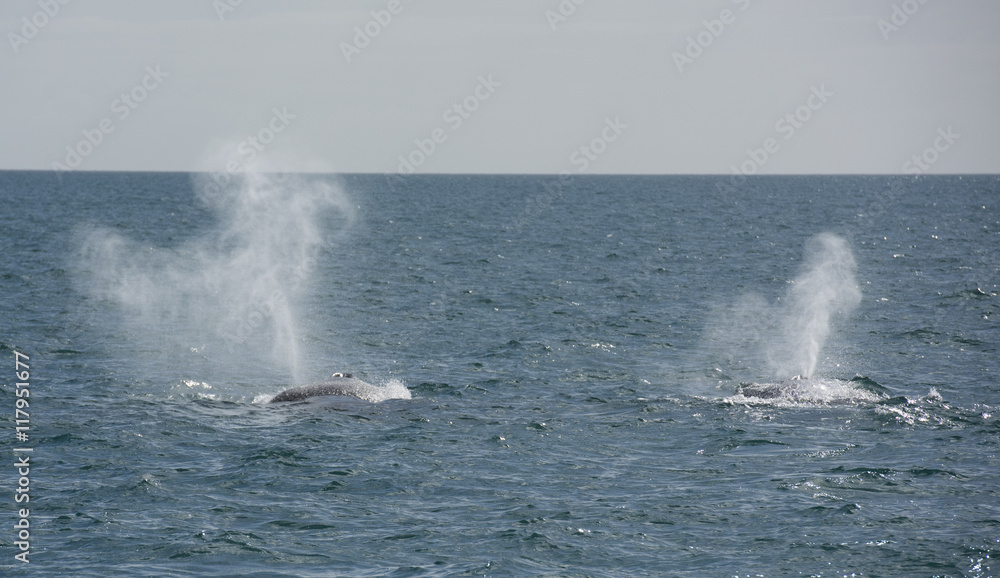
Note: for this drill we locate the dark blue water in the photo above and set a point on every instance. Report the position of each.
(572, 351)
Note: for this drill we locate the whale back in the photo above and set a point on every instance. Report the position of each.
(336, 385)
(816, 391)
(788, 388)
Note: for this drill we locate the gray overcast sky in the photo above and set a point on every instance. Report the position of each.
(644, 86)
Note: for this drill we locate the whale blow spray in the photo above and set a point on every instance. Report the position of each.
(222, 304)
(826, 287)
(782, 339)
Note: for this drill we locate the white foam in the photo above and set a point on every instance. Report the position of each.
(392, 389)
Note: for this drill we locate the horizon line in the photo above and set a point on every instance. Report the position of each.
(510, 174)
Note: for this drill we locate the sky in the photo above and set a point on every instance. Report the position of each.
(504, 86)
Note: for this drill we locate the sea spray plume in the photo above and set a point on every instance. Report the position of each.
(763, 340)
(229, 296)
(826, 287)
(734, 333)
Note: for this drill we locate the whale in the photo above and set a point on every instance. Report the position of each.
(801, 389)
(337, 384)
(786, 388)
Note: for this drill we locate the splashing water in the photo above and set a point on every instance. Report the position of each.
(229, 296)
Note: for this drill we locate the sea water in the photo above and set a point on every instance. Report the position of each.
(561, 360)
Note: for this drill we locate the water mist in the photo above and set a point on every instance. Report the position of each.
(785, 339)
(825, 288)
(222, 304)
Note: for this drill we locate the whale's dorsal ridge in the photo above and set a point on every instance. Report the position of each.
(337, 384)
(786, 388)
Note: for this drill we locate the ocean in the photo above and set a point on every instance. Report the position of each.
(575, 376)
